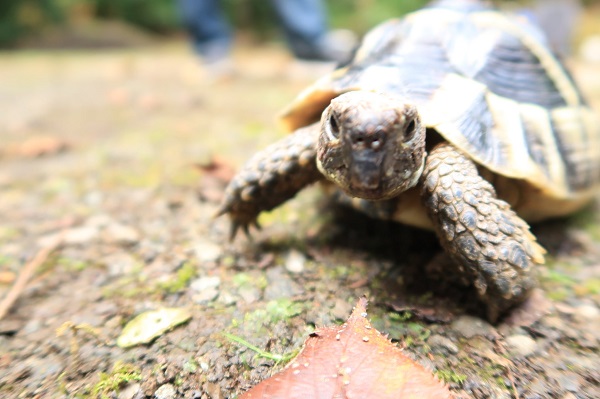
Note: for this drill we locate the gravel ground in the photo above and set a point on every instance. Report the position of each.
(123, 156)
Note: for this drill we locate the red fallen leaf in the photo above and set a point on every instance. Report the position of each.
(351, 361)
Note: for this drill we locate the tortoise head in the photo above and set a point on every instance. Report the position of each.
(372, 145)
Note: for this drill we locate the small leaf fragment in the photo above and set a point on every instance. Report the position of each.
(351, 361)
(149, 325)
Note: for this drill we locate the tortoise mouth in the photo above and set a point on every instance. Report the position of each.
(373, 193)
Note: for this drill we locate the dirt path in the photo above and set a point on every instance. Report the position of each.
(121, 133)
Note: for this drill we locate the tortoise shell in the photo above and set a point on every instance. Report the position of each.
(488, 84)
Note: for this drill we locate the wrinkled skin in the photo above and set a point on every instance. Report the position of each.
(371, 145)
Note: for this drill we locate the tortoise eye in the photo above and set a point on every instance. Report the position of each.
(333, 128)
(410, 129)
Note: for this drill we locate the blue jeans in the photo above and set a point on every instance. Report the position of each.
(303, 22)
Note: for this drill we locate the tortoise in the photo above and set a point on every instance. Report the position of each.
(456, 118)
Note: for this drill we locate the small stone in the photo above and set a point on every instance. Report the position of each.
(469, 327)
(207, 251)
(214, 390)
(226, 298)
(119, 263)
(129, 391)
(587, 312)
(120, 233)
(166, 391)
(280, 284)
(442, 345)
(295, 262)
(521, 345)
(569, 382)
(206, 296)
(99, 221)
(249, 294)
(74, 236)
(205, 283)
(341, 309)
(80, 235)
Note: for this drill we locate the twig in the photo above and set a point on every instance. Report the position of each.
(26, 273)
(512, 382)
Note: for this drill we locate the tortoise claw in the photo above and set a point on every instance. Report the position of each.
(244, 226)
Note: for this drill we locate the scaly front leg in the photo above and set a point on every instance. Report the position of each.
(271, 177)
(492, 246)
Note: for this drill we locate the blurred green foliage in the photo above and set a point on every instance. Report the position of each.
(20, 18)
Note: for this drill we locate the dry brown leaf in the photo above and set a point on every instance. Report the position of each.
(7, 277)
(215, 175)
(37, 146)
(217, 167)
(351, 361)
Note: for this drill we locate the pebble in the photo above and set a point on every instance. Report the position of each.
(587, 312)
(75, 236)
(226, 298)
(280, 284)
(119, 263)
(295, 261)
(80, 235)
(469, 327)
(206, 296)
(204, 283)
(99, 221)
(569, 382)
(166, 391)
(521, 345)
(341, 309)
(207, 251)
(249, 294)
(129, 391)
(590, 49)
(121, 234)
(442, 345)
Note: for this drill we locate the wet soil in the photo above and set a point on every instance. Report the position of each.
(101, 150)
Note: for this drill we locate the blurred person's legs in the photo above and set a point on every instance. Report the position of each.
(558, 19)
(210, 33)
(305, 26)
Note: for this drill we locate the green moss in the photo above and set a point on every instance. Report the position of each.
(589, 287)
(273, 312)
(121, 374)
(184, 275)
(558, 295)
(554, 276)
(8, 233)
(191, 366)
(284, 308)
(557, 282)
(451, 377)
(267, 355)
(588, 221)
(130, 286)
(7, 260)
(74, 265)
(247, 280)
